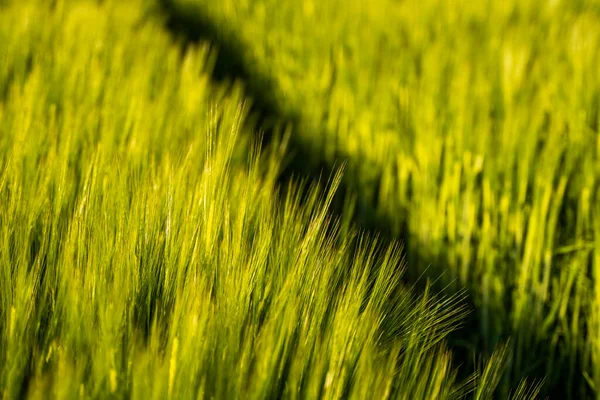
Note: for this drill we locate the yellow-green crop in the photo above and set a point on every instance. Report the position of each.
(470, 129)
(146, 250)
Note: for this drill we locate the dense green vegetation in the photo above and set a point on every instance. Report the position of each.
(149, 246)
(147, 251)
(470, 130)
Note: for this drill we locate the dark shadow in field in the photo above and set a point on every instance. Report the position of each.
(266, 117)
(303, 161)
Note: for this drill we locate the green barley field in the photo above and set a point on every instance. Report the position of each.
(299, 199)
